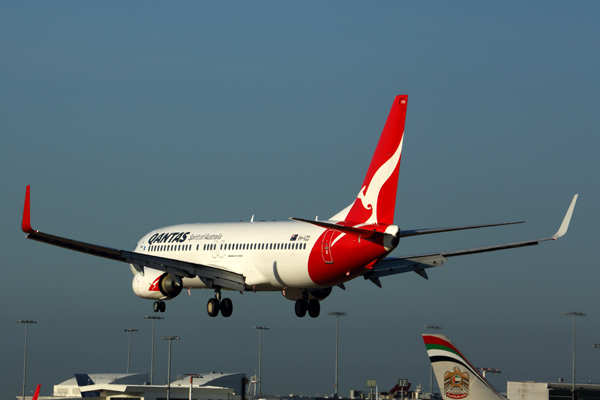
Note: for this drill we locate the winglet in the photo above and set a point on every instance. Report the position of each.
(565, 224)
(26, 223)
(37, 393)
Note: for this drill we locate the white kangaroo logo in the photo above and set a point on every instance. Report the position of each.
(368, 197)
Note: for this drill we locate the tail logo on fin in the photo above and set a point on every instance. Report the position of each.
(456, 384)
(369, 196)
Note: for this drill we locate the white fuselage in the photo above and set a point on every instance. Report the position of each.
(270, 255)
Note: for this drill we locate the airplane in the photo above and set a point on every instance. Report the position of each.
(303, 259)
(455, 375)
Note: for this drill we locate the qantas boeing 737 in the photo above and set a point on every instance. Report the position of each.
(302, 259)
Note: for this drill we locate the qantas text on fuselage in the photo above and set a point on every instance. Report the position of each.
(303, 259)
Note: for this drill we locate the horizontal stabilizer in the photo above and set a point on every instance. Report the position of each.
(365, 233)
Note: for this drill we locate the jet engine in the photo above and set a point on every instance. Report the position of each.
(156, 285)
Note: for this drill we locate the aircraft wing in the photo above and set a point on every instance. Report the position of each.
(176, 268)
(420, 262)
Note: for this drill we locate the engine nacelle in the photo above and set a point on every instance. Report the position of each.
(155, 285)
(296, 294)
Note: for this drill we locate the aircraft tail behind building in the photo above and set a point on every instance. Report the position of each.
(37, 392)
(456, 377)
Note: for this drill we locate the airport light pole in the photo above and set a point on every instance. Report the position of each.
(170, 339)
(431, 329)
(260, 329)
(152, 317)
(337, 314)
(130, 331)
(26, 322)
(574, 314)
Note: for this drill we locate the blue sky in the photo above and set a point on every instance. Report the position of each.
(125, 117)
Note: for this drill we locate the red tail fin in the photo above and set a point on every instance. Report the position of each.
(376, 200)
(37, 392)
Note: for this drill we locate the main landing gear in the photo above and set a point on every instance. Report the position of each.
(159, 306)
(217, 304)
(313, 306)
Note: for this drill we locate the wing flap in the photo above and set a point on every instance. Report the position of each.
(367, 233)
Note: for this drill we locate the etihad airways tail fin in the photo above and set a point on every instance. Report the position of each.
(456, 377)
(376, 199)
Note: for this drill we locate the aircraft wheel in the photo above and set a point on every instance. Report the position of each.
(226, 307)
(300, 308)
(163, 306)
(156, 306)
(213, 307)
(314, 308)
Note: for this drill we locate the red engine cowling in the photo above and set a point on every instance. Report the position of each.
(156, 285)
